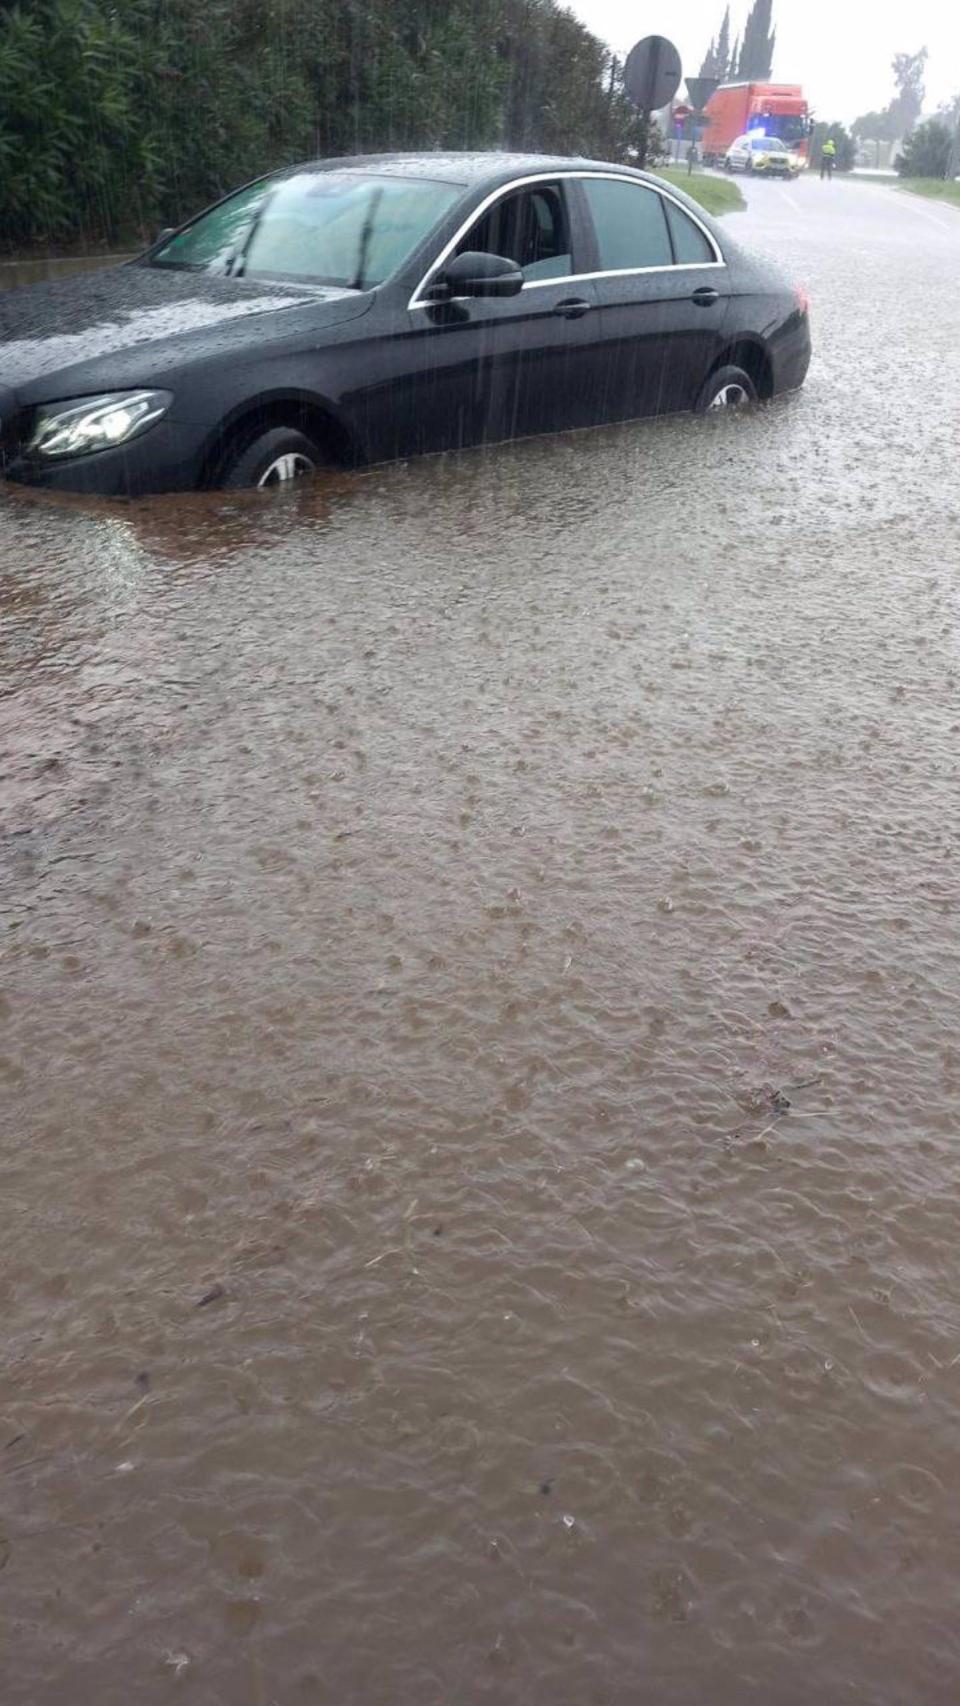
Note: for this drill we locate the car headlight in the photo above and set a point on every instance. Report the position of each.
(95, 423)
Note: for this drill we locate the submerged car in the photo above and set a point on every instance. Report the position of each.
(763, 154)
(357, 310)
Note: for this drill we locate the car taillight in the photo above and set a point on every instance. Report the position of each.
(802, 299)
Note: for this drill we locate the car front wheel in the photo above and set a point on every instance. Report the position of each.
(275, 458)
(728, 388)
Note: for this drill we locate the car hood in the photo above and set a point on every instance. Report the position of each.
(46, 329)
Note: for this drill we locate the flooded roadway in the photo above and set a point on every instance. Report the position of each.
(422, 897)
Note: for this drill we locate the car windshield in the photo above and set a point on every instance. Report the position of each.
(342, 228)
(766, 145)
(787, 127)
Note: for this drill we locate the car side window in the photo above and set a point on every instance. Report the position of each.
(630, 225)
(690, 246)
(529, 226)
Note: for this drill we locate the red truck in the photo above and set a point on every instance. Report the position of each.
(772, 109)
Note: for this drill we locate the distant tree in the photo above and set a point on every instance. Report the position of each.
(907, 103)
(900, 116)
(949, 113)
(723, 48)
(733, 70)
(846, 152)
(874, 127)
(927, 153)
(708, 64)
(716, 60)
(756, 55)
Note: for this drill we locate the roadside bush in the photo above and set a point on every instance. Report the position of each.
(69, 116)
(927, 153)
(120, 116)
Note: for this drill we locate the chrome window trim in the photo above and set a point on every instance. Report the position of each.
(416, 300)
(614, 272)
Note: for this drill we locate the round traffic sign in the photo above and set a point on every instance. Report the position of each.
(652, 73)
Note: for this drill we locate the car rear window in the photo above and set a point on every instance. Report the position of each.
(690, 246)
(630, 224)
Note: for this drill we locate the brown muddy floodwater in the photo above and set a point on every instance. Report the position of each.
(480, 1062)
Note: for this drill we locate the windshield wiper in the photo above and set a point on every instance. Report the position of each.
(237, 260)
(356, 283)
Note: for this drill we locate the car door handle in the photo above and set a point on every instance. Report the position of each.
(572, 307)
(706, 296)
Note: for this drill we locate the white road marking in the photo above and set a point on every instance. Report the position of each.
(908, 200)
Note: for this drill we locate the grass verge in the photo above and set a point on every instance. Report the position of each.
(717, 195)
(935, 189)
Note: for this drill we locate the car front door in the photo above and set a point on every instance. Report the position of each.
(662, 298)
(471, 370)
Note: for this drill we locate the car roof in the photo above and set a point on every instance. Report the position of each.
(467, 169)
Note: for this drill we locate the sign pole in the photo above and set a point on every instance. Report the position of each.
(652, 76)
(700, 89)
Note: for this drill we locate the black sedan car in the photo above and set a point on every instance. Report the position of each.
(355, 310)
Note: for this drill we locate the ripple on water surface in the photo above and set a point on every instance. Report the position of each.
(479, 1079)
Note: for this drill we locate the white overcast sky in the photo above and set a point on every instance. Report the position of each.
(840, 51)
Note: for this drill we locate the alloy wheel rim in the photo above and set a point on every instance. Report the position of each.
(282, 469)
(732, 396)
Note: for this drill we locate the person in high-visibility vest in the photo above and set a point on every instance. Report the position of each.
(828, 158)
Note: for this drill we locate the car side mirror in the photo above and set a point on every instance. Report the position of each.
(162, 236)
(476, 274)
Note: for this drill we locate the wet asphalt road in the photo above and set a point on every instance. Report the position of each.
(421, 898)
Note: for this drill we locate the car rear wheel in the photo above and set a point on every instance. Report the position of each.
(275, 458)
(728, 388)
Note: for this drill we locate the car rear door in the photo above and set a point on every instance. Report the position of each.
(482, 369)
(662, 297)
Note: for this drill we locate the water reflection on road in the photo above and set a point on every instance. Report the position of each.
(479, 1066)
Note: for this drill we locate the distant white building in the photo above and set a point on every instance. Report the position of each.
(877, 156)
